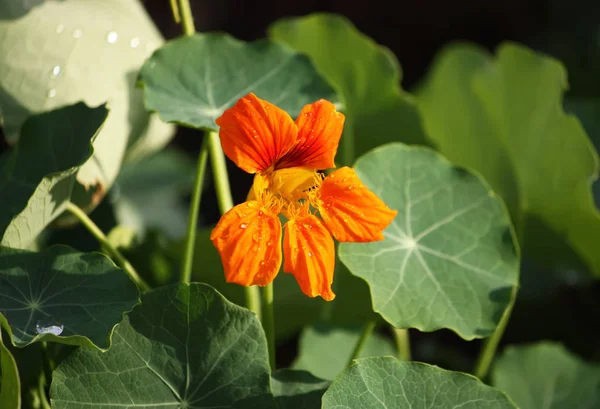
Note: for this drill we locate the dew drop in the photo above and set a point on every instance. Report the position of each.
(55, 70)
(134, 42)
(309, 254)
(49, 327)
(51, 93)
(60, 28)
(112, 37)
(260, 213)
(262, 263)
(77, 33)
(243, 225)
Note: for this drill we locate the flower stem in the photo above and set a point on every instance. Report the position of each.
(490, 345)
(366, 333)
(187, 19)
(112, 251)
(402, 343)
(225, 200)
(268, 322)
(175, 10)
(190, 242)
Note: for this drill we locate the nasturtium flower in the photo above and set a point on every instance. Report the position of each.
(286, 157)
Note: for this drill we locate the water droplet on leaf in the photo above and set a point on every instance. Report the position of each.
(243, 225)
(49, 327)
(51, 93)
(77, 33)
(112, 37)
(55, 70)
(134, 42)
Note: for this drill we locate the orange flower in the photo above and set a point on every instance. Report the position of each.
(284, 156)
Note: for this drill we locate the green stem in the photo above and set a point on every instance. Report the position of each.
(268, 322)
(402, 343)
(190, 242)
(490, 345)
(366, 333)
(175, 9)
(112, 251)
(219, 167)
(186, 17)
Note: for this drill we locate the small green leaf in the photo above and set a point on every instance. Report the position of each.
(192, 80)
(382, 382)
(10, 387)
(38, 175)
(185, 346)
(78, 296)
(324, 351)
(297, 389)
(502, 116)
(546, 375)
(151, 193)
(365, 75)
(449, 258)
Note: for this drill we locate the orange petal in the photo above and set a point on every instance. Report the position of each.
(319, 130)
(351, 211)
(255, 133)
(248, 239)
(309, 254)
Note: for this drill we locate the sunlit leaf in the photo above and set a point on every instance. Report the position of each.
(365, 75)
(63, 296)
(448, 259)
(502, 116)
(184, 346)
(324, 350)
(297, 389)
(10, 388)
(37, 176)
(546, 375)
(375, 383)
(192, 80)
(62, 52)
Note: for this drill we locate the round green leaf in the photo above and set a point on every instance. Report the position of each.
(10, 386)
(324, 351)
(63, 296)
(502, 116)
(37, 176)
(388, 383)
(546, 375)
(192, 80)
(185, 346)
(297, 389)
(365, 75)
(448, 259)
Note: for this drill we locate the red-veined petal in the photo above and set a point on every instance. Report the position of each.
(350, 210)
(319, 130)
(255, 133)
(248, 238)
(309, 254)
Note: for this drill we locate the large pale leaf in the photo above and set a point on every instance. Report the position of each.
(448, 259)
(297, 389)
(502, 116)
(62, 52)
(375, 383)
(185, 346)
(10, 388)
(192, 80)
(37, 176)
(546, 375)
(63, 296)
(324, 351)
(365, 75)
